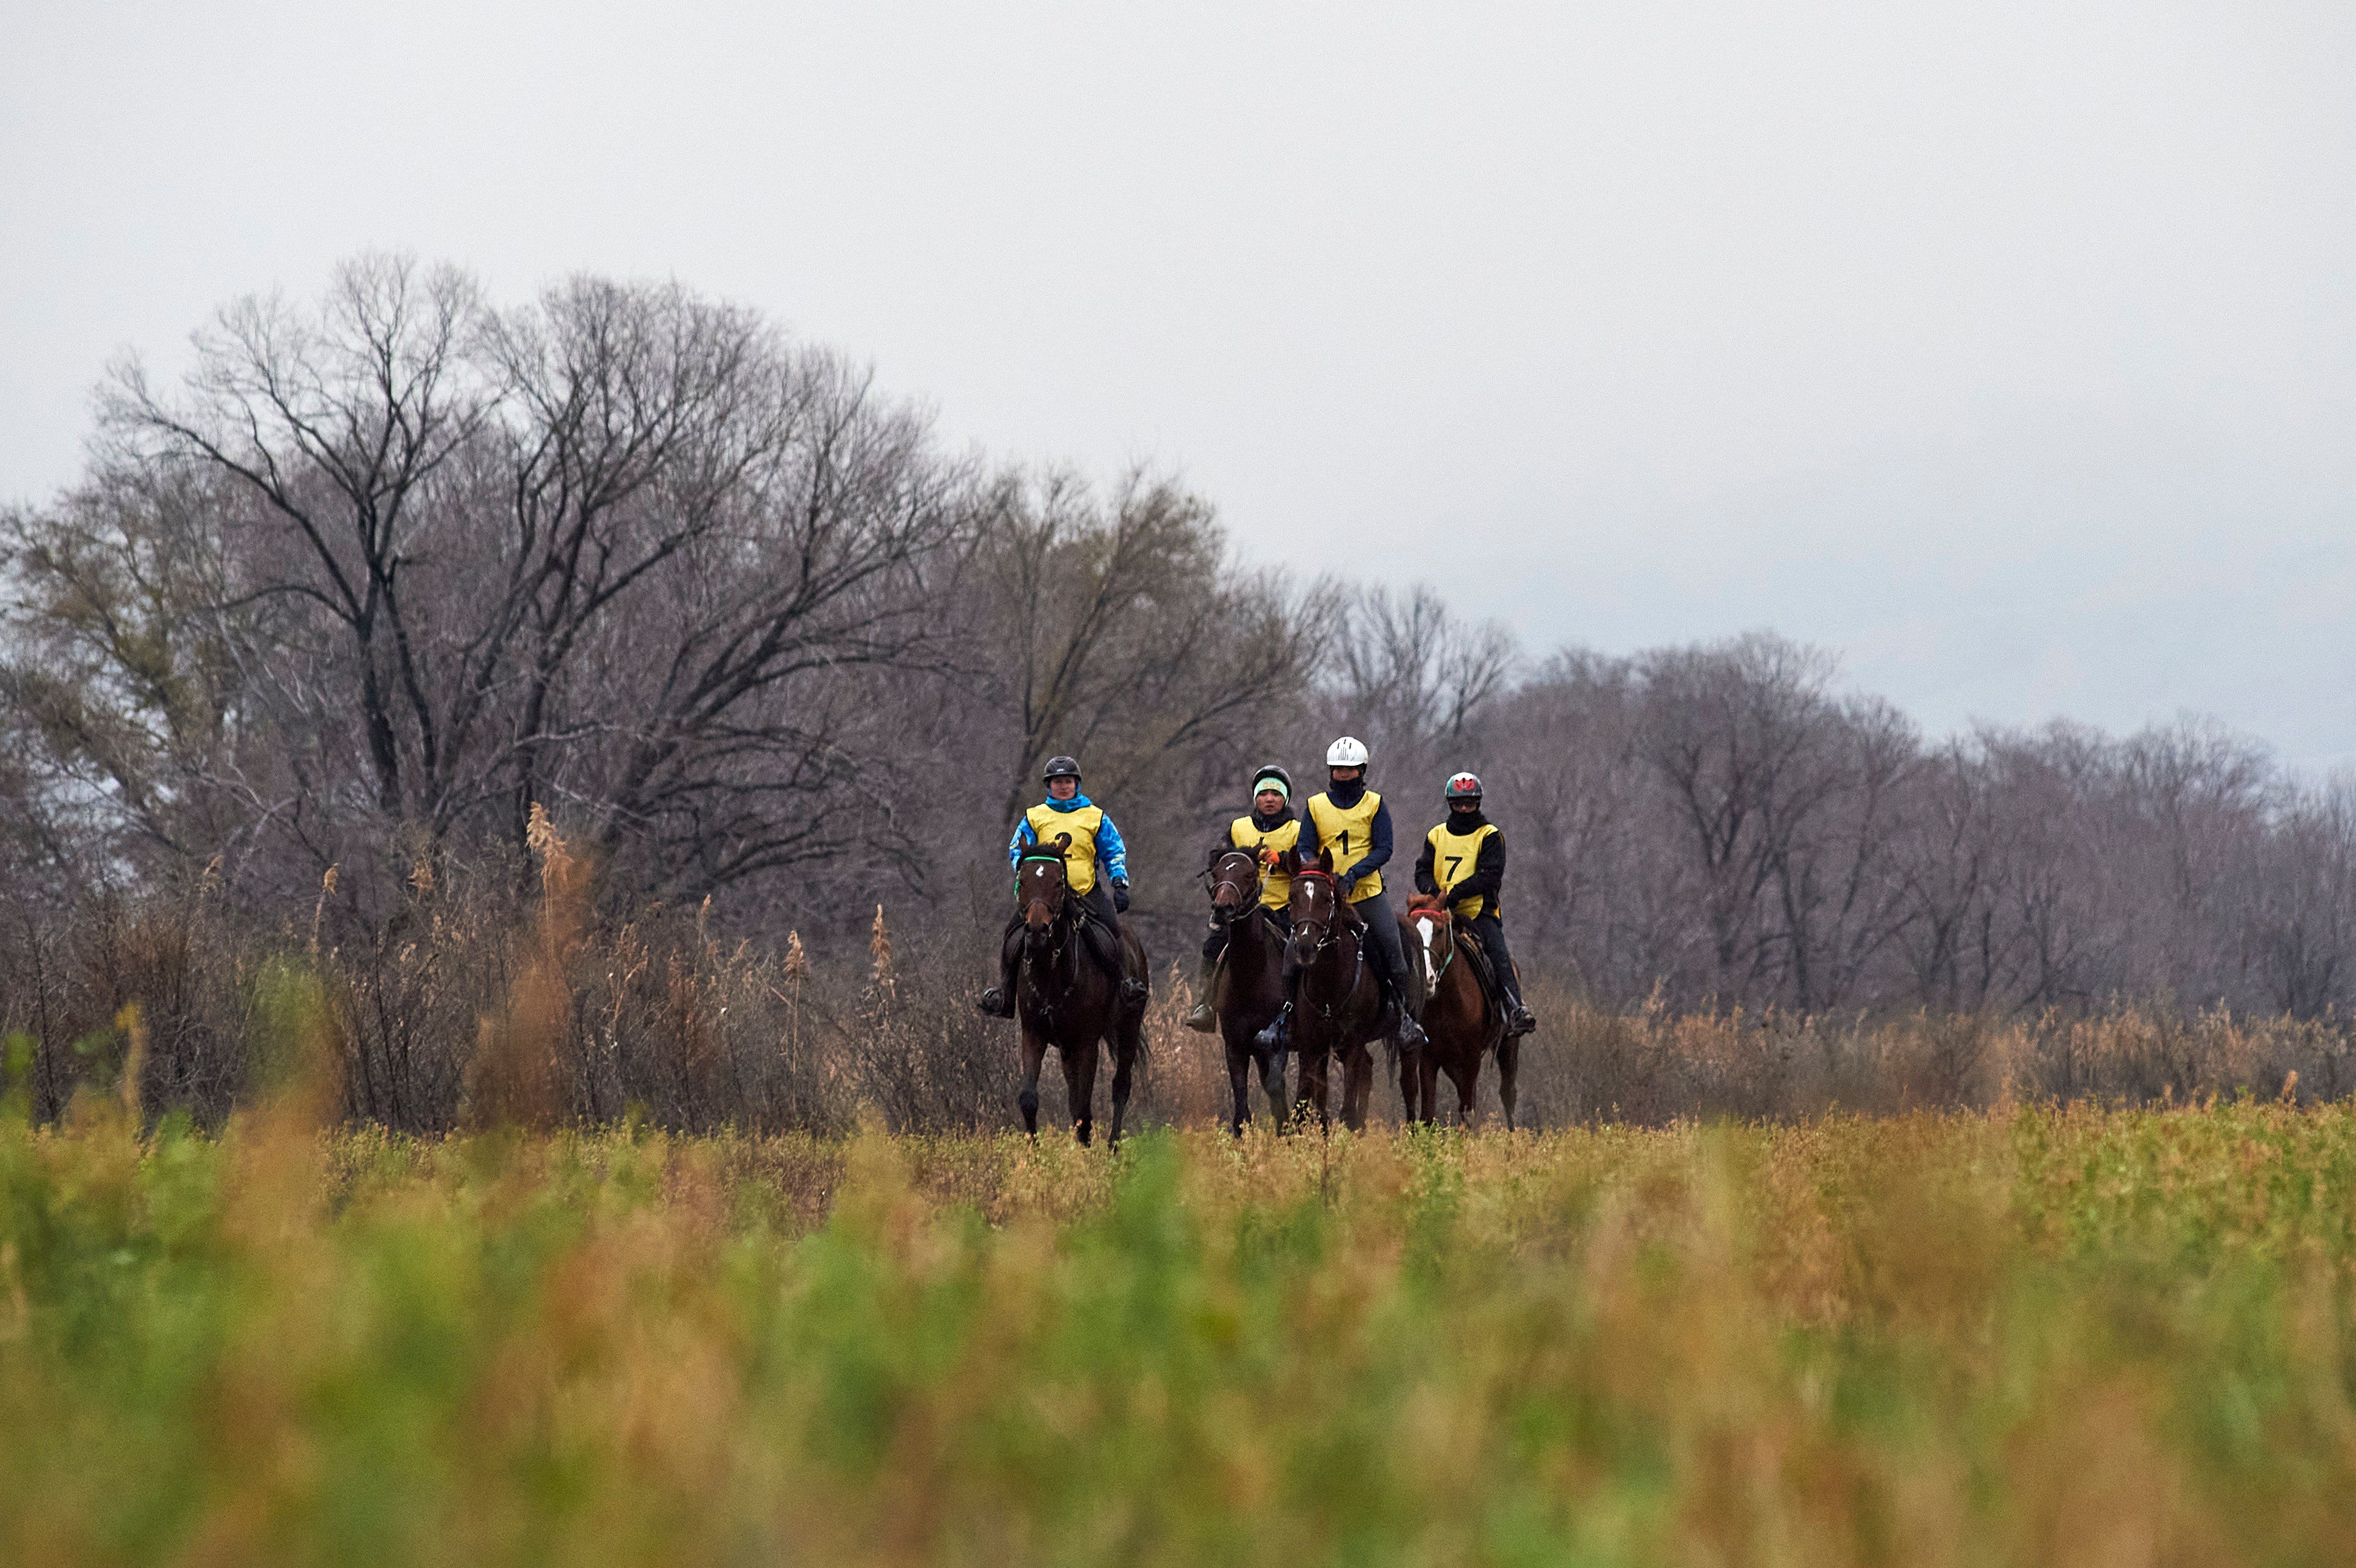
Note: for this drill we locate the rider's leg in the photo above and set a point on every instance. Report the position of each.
(1099, 902)
(1278, 1033)
(1491, 930)
(998, 1002)
(1382, 925)
(1201, 1019)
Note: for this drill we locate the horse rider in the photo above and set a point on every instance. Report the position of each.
(1352, 821)
(1463, 861)
(1268, 831)
(1094, 844)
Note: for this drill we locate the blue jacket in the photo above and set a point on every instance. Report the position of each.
(1112, 854)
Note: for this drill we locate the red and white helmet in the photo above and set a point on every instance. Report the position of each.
(1347, 752)
(1464, 786)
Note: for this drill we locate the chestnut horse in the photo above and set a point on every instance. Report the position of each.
(1068, 1000)
(1337, 1004)
(1462, 1020)
(1251, 982)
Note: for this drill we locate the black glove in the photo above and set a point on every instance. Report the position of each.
(1120, 898)
(1346, 885)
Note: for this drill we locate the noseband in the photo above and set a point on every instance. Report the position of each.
(1326, 934)
(1446, 933)
(1055, 912)
(1246, 898)
(1325, 927)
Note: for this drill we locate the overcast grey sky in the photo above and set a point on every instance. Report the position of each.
(2009, 349)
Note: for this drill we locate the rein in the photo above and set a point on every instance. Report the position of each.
(1325, 937)
(1060, 925)
(1447, 923)
(1249, 900)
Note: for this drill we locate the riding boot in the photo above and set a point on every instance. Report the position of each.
(1490, 933)
(1277, 1035)
(1411, 1035)
(1203, 1019)
(1518, 1018)
(998, 1002)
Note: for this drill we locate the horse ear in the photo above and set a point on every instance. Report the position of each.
(1063, 841)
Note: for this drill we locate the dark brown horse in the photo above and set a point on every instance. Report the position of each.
(1337, 1004)
(1461, 1019)
(1251, 982)
(1069, 1000)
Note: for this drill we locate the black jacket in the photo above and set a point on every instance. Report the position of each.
(1488, 879)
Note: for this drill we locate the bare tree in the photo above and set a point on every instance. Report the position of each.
(618, 552)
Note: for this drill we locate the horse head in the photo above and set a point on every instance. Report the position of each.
(1316, 904)
(1235, 885)
(1435, 931)
(1040, 886)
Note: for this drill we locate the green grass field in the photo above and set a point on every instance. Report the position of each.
(2039, 1337)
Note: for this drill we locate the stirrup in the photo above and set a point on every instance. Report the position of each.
(1277, 1034)
(1202, 1020)
(1520, 1021)
(1133, 991)
(996, 1002)
(1409, 1034)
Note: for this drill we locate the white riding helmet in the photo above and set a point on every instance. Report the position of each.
(1347, 752)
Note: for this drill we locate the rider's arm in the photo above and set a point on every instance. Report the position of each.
(1425, 883)
(1111, 851)
(1488, 871)
(1307, 844)
(1379, 851)
(1024, 839)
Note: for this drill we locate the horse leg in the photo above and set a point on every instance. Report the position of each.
(1272, 1083)
(1313, 1083)
(1127, 1034)
(1035, 1051)
(1358, 1087)
(1080, 1088)
(1467, 1078)
(1239, 1055)
(1410, 1068)
(1427, 1081)
(1509, 1062)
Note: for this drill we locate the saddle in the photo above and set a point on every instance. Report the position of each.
(1484, 970)
(1103, 943)
(1096, 937)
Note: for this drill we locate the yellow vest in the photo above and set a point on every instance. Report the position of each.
(1453, 858)
(1275, 886)
(1349, 835)
(1081, 854)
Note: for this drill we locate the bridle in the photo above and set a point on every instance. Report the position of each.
(1447, 920)
(1059, 924)
(1326, 936)
(1248, 897)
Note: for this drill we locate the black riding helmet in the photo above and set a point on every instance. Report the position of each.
(1270, 771)
(1060, 768)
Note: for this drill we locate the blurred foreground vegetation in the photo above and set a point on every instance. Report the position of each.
(2048, 1336)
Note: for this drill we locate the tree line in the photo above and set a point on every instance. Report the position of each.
(324, 620)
